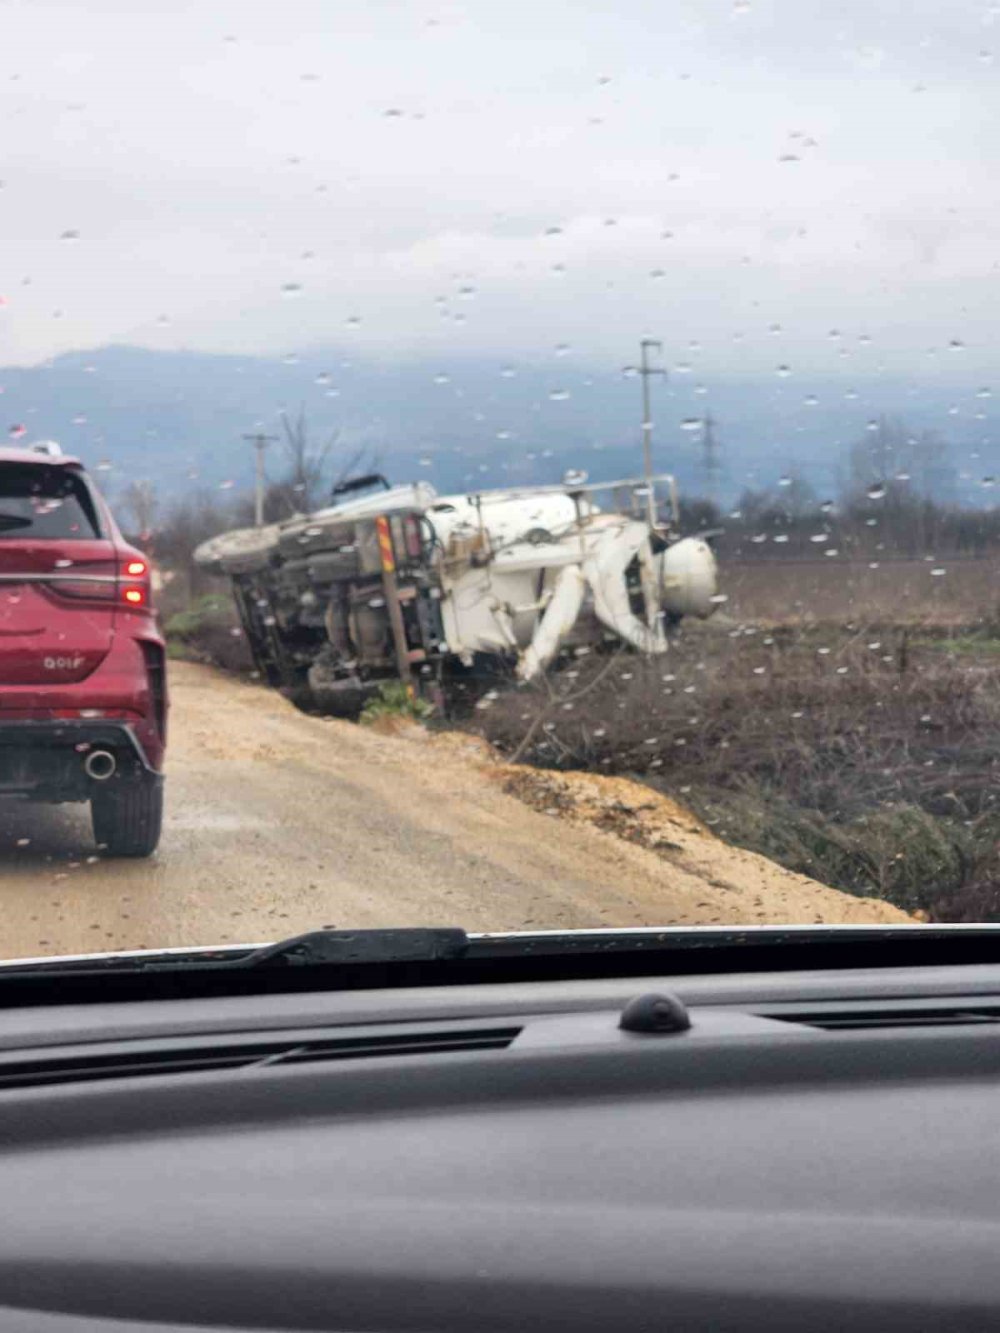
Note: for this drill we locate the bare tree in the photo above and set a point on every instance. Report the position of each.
(139, 502)
(306, 464)
(890, 458)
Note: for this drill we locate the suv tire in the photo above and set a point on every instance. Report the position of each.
(127, 816)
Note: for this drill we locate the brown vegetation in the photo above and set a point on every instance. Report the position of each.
(864, 757)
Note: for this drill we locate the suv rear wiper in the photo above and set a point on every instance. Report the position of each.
(14, 521)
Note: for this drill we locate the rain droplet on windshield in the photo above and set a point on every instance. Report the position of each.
(559, 395)
(877, 491)
(783, 371)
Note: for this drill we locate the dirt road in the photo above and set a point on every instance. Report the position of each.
(277, 822)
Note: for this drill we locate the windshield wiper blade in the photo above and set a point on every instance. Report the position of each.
(315, 948)
(419, 954)
(410, 944)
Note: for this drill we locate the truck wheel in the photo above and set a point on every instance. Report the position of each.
(127, 817)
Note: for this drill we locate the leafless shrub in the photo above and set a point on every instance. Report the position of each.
(862, 756)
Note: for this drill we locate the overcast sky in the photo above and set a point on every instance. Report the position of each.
(506, 177)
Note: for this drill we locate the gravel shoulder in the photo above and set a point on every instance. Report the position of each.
(278, 822)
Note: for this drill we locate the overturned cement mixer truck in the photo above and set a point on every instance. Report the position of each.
(402, 583)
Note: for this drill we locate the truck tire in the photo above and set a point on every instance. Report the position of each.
(127, 817)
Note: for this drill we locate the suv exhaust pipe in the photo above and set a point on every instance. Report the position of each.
(100, 765)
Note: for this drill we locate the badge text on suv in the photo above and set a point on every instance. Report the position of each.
(83, 702)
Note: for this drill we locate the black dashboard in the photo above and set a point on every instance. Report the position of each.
(817, 1151)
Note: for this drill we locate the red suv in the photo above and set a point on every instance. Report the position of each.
(83, 699)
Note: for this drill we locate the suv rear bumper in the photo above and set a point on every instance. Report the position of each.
(44, 760)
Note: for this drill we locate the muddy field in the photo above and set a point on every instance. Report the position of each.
(951, 592)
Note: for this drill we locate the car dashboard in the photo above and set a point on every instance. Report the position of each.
(816, 1150)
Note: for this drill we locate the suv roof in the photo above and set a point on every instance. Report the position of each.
(13, 453)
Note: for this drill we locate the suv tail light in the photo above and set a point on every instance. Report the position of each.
(127, 581)
(134, 589)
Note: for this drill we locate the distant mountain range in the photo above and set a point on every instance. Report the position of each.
(178, 418)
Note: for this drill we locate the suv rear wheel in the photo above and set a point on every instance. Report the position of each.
(127, 816)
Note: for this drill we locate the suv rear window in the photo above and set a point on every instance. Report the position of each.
(45, 502)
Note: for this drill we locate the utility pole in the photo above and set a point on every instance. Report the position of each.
(260, 442)
(646, 371)
(710, 458)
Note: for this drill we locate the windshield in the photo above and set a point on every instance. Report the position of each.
(555, 455)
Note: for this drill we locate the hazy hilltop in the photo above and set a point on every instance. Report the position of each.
(177, 418)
